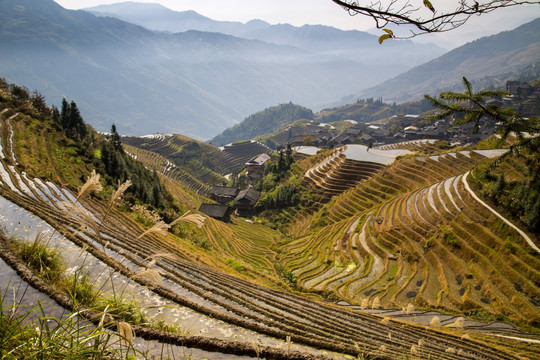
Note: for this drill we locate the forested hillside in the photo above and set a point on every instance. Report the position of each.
(263, 122)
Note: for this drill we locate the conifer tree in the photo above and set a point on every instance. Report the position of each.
(64, 113)
(115, 139)
(289, 155)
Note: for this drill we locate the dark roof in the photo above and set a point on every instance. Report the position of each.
(367, 137)
(353, 131)
(214, 210)
(247, 197)
(260, 159)
(224, 191)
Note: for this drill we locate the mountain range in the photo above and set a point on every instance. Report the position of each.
(487, 57)
(353, 45)
(198, 82)
(195, 83)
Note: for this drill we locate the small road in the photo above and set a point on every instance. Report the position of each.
(525, 236)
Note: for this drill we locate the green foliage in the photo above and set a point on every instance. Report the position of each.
(519, 197)
(280, 188)
(450, 239)
(45, 261)
(263, 122)
(291, 279)
(236, 265)
(472, 105)
(72, 121)
(284, 195)
(123, 310)
(80, 288)
(118, 166)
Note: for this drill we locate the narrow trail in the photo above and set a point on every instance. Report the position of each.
(506, 221)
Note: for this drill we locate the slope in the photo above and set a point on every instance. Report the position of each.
(193, 282)
(263, 122)
(488, 56)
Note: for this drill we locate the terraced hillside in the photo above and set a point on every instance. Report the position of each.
(414, 234)
(233, 157)
(178, 152)
(346, 167)
(162, 165)
(218, 290)
(196, 164)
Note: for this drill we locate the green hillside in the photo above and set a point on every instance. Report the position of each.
(263, 122)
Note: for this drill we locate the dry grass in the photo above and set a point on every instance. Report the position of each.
(376, 303)
(196, 219)
(92, 184)
(151, 274)
(459, 323)
(365, 303)
(117, 195)
(435, 322)
(159, 228)
(126, 331)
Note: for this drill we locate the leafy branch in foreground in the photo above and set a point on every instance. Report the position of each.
(424, 18)
(473, 107)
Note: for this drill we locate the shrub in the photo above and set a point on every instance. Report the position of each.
(46, 262)
(122, 309)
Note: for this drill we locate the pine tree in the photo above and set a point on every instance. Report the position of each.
(115, 140)
(289, 155)
(64, 113)
(282, 165)
(56, 115)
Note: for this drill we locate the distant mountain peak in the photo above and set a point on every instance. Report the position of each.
(487, 56)
(196, 82)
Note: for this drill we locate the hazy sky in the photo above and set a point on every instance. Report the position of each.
(300, 12)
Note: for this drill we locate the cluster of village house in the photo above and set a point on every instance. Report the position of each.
(243, 201)
(404, 127)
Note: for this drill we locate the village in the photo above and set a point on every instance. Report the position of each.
(307, 137)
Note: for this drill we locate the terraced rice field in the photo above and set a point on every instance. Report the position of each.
(413, 234)
(183, 157)
(232, 158)
(162, 165)
(271, 315)
(348, 166)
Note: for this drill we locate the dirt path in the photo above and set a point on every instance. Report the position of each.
(525, 236)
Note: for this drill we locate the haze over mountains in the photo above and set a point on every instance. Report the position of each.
(481, 59)
(194, 83)
(214, 74)
(352, 44)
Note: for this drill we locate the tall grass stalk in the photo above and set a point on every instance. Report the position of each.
(28, 333)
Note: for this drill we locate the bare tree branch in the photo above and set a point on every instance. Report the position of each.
(424, 17)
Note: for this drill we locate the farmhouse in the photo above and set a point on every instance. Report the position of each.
(216, 211)
(246, 200)
(256, 165)
(223, 194)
